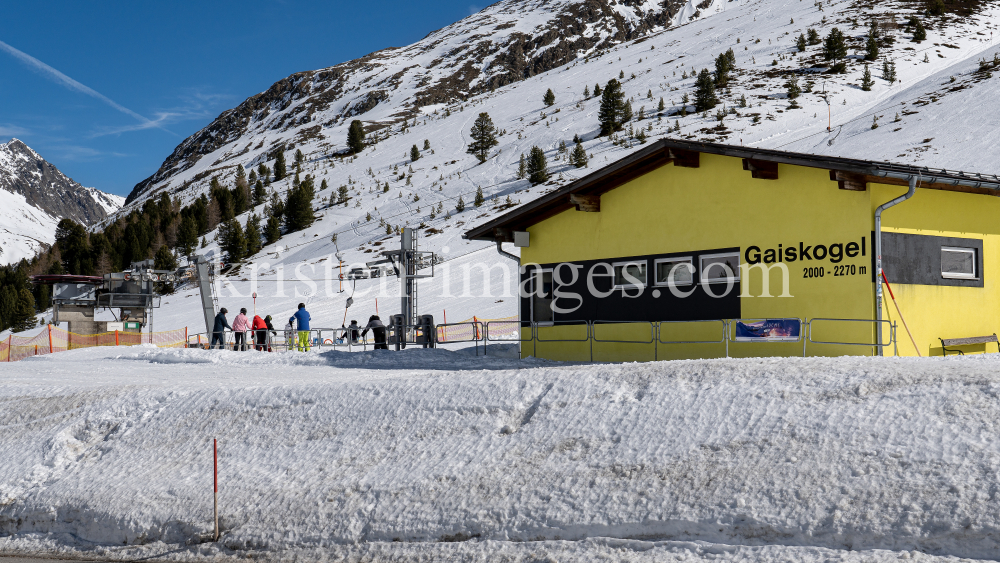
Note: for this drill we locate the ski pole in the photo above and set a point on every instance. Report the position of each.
(900, 313)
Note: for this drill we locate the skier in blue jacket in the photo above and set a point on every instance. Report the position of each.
(302, 318)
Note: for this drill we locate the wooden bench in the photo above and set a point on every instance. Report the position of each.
(945, 342)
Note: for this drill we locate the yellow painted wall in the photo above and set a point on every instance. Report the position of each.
(719, 205)
(934, 312)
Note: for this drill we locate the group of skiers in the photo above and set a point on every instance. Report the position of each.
(296, 331)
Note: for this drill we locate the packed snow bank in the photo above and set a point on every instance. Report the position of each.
(330, 454)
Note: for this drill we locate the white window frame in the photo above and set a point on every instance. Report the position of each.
(614, 274)
(676, 260)
(536, 278)
(975, 264)
(701, 267)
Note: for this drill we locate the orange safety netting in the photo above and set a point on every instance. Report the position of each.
(53, 339)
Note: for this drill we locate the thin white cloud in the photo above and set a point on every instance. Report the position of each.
(68, 82)
(12, 130)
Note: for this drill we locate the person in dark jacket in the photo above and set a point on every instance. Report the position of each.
(378, 330)
(354, 329)
(218, 331)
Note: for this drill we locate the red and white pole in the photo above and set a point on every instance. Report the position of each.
(215, 461)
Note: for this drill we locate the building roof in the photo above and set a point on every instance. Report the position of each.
(762, 163)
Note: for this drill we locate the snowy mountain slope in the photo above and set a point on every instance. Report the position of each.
(438, 456)
(34, 196)
(762, 34)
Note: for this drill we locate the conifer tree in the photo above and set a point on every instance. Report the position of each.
(835, 49)
(866, 80)
(662, 106)
(23, 317)
(299, 160)
(427, 145)
(538, 168)
(253, 234)
(800, 43)
(233, 241)
(259, 195)
(253, 177)
(279, 165)
(241, 177)
(578, 157)
(272, 229)
(522, 170)
(813, 36)
(356, 137)
(586, 92)
(478, 202)
(723, 66)
(414, 153)
(704, 92)
(342, 194)
(792, 87)
(187, 235)
(871, 49)
(263, 173)
(549, 98)
(74, 247)
(460, 205)
(919, 32)
(483, 136)
(611, 113)
(597, 90)
(888, 70)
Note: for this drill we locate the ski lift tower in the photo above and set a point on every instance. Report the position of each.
(408, 261)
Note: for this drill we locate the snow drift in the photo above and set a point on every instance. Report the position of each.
(323, 451)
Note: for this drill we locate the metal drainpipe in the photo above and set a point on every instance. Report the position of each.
(517, 295)
(913, 181)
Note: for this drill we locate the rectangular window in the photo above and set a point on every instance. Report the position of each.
(682, 271)
(635, 270)
(720, 267)
(958, 263)
(541, 296)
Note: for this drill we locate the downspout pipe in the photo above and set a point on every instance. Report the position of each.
(517, 260)
(507, 254)
(913, 182)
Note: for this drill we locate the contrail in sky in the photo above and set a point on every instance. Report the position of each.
(68, 82)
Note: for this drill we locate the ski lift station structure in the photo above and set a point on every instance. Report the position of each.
(691, 249)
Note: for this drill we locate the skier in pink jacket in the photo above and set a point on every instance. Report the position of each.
(241, 324)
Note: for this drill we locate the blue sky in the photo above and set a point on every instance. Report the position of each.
(106, 90)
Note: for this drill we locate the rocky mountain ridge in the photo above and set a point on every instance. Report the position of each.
(35, 195)
(503, 44)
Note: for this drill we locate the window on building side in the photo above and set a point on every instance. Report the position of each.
(958, 263)
(720, 267)
(635, 270)
(682, 268)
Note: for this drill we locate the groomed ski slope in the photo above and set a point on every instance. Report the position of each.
(430, 455)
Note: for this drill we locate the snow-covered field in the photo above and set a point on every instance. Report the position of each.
(430, 455)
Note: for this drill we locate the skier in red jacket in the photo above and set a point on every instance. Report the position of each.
(260, 329)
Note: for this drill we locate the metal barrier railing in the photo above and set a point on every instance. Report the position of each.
(478, 332)
(456, 333)
(554, 324)
(875, 346)
(723, 324)
(594, 338)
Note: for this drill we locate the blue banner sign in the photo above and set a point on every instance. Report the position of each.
(770, 330)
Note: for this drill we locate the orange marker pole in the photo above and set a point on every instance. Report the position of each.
(215, 483)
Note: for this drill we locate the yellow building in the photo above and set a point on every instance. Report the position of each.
(688, 249)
